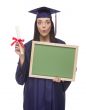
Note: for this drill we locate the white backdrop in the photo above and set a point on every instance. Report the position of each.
(71, 24)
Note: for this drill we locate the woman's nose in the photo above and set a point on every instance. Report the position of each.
(43, 25)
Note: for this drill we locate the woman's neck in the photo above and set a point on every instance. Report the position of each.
(45, 38)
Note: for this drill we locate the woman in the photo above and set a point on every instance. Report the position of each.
(40, 94)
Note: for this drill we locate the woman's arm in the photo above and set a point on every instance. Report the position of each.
(65, 84)
(21, 73)
(22, 67)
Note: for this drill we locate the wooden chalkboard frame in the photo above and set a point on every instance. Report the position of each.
(35, 43)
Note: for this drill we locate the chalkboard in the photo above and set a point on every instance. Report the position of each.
(49, 60)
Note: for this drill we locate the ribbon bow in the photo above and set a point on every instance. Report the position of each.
(17, 40)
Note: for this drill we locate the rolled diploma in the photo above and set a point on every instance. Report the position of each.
(18, 36)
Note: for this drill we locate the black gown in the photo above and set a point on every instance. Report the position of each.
(40, 94)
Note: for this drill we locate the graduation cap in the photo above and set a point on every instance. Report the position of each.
(45, 12)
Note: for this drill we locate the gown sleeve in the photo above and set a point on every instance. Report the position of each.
(22, 71)
(65, 85)
(21, 75)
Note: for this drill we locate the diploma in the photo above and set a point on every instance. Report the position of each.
(18, 36)
(17, 31)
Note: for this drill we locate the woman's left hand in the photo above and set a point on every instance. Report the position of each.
(56, 79)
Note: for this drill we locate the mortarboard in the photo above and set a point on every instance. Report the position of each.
(43, 12)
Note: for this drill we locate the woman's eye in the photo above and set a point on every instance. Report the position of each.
(48, 22)
(39, 23)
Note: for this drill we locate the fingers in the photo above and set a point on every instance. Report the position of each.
(17, 48)
(16, 45)
(56, 79)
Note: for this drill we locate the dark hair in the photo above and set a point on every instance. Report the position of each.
(37, 34)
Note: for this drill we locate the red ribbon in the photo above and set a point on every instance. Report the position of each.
(20, 41)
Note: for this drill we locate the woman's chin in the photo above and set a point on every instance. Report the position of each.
(44, 35)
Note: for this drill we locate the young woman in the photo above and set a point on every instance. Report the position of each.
(40, 94)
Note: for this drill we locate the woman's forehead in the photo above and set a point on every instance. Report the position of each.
(43, 19)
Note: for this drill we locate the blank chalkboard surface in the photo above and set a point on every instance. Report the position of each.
(49, 60)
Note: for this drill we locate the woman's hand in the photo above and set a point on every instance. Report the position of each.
(56, 79)
(18, 49)
(18, 52)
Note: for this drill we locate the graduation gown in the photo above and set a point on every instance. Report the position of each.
(40, 94)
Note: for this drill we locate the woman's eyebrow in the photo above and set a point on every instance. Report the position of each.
(47, 20)
(39, 20)
(43, 21)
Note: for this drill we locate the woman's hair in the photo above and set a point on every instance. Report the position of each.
(37, 34)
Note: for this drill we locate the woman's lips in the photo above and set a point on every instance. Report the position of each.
(44, 31)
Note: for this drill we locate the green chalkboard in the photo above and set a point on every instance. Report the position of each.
(49, 60)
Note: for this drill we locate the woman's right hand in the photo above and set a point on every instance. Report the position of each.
(18, 52)
(18, 49)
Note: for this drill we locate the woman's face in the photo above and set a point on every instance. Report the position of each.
(44, 26)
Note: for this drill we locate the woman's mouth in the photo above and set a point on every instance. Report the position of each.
(44, 31)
